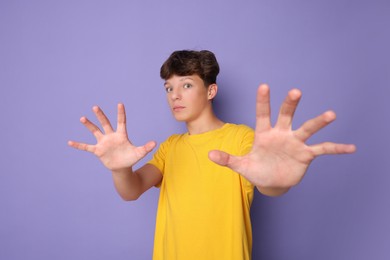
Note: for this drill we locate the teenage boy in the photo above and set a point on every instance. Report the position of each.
(207, 175)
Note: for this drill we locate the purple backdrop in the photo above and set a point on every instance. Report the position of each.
(59, 58)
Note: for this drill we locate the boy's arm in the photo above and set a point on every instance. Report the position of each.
(280, 157)
(119, 155)
(130, 185)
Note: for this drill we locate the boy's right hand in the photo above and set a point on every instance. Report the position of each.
(113, 148)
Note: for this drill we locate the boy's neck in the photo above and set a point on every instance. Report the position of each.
(203, 126)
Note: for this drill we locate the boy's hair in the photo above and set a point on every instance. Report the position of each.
(189, 62)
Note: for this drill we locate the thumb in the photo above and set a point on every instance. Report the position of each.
(149, 146)
(222, 158)
(143, 150)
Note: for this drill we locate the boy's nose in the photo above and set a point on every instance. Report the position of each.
(176, 94)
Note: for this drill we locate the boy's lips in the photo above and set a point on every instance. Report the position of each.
(178, 108)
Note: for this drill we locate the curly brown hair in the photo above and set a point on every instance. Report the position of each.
(188, 62)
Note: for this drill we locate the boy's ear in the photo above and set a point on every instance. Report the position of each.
(212, 92)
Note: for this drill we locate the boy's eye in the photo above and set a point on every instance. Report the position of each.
(168, 89)
(187, 85)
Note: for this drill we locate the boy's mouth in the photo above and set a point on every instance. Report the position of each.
(178, 108)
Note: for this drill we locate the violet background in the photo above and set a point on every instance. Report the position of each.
(59, 58)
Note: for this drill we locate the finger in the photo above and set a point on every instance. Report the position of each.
(287, 109)
(121, 124)
(310, 127)
(150, 146)
(219, 157)
(82, 146)
(332, 148)
(145, 149)
(263, 108)
(105, 123)
(225, 159)
(91, 127)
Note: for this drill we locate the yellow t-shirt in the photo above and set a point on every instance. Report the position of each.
(203, 209)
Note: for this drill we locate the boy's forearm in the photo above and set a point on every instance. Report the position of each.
(127, 184)
(272, 192)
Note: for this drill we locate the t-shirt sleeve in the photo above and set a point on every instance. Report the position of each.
(248, 137)
(159, 157)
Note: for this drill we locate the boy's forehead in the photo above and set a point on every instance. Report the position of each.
(175, 77)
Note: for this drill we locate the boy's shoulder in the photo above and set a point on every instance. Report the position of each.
(229, 130)
(241, 128)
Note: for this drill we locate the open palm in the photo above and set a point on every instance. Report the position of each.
(280, 157)
(113, 148)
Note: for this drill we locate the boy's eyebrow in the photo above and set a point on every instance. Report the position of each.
(182, 79)
(188, 77)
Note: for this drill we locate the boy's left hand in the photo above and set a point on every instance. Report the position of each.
(280, 157)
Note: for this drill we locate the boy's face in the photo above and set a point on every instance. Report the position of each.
(188, 97)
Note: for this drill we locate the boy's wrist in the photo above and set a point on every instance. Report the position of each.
(122, 171)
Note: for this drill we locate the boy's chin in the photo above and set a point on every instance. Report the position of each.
(180, 118)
